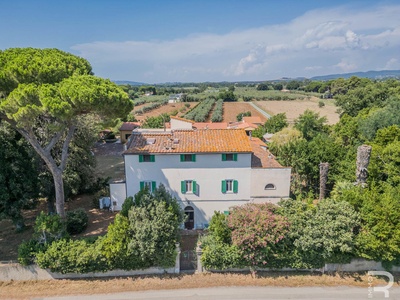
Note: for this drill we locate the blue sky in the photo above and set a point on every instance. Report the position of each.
(210, 40)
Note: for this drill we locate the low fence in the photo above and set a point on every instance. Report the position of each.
(356, 265)
(15, 271)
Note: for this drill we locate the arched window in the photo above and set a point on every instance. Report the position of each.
(270, 186)
(189, 211)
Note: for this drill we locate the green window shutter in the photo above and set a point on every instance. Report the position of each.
(153, 186)
(140, 158)
(182, 157)
(223, 156)
(152, 158)
(223, 186)
(193, 157)
(194, 187)
(235, 156)
(141, 185)
(183, 187)
(235, 186)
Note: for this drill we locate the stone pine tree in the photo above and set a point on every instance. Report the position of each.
(44, 92)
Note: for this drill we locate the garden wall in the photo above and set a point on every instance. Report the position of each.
(15, 271)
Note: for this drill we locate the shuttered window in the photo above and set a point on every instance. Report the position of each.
(229, 156)
(188, 157)
(229, 186)
(150, 185)
(188, 186)
(147, 158)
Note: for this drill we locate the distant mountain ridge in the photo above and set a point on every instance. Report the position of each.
(133, 83)
(369, 74)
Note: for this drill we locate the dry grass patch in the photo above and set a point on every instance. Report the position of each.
(232, 109)
(295, 108)
(51, 288)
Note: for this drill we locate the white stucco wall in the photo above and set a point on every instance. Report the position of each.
(117, 194)
(208, 171)
(279, 177)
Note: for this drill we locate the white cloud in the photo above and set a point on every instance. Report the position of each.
(392, 64)
(335, 39)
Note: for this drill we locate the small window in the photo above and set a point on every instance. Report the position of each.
(188, 157)
(150, 185)
(147, 158)
(270, 186)
(229, 157)
(188, 186)
(229, 186)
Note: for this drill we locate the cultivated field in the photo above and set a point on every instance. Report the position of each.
(232, 109)
(294, 108)
(168, 108)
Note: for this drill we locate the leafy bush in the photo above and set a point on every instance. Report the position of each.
(321, 103)
(126, 206)
(27, 251)
(77, 221)
(49, 228)
(240, 116)
(145, 238)
(219, 228)
(65, 256)
(256, 231)
(218, 255)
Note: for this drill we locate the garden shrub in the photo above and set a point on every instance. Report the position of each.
(77, 221)
(49, 228)
(219, 255)
(27, 251)
(69, 256)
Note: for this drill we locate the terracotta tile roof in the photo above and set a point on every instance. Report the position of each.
(191, 141)
(129, 126)
(253, 120)
(261, 157)
(182, 119)
(203, 125)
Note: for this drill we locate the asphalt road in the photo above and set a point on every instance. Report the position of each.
(242, 293)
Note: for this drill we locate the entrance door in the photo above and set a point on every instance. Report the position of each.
(189, 212)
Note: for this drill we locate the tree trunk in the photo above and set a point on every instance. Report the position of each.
(323, 178)
(59, 188)
(363, 156)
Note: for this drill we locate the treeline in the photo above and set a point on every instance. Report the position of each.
(354, 220)
(151, 106)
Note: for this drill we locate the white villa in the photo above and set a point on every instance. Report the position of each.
(207, 170)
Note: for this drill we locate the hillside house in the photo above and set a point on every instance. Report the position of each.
(207, 170)
(175, 98)
(247, 123)
(126, 129)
